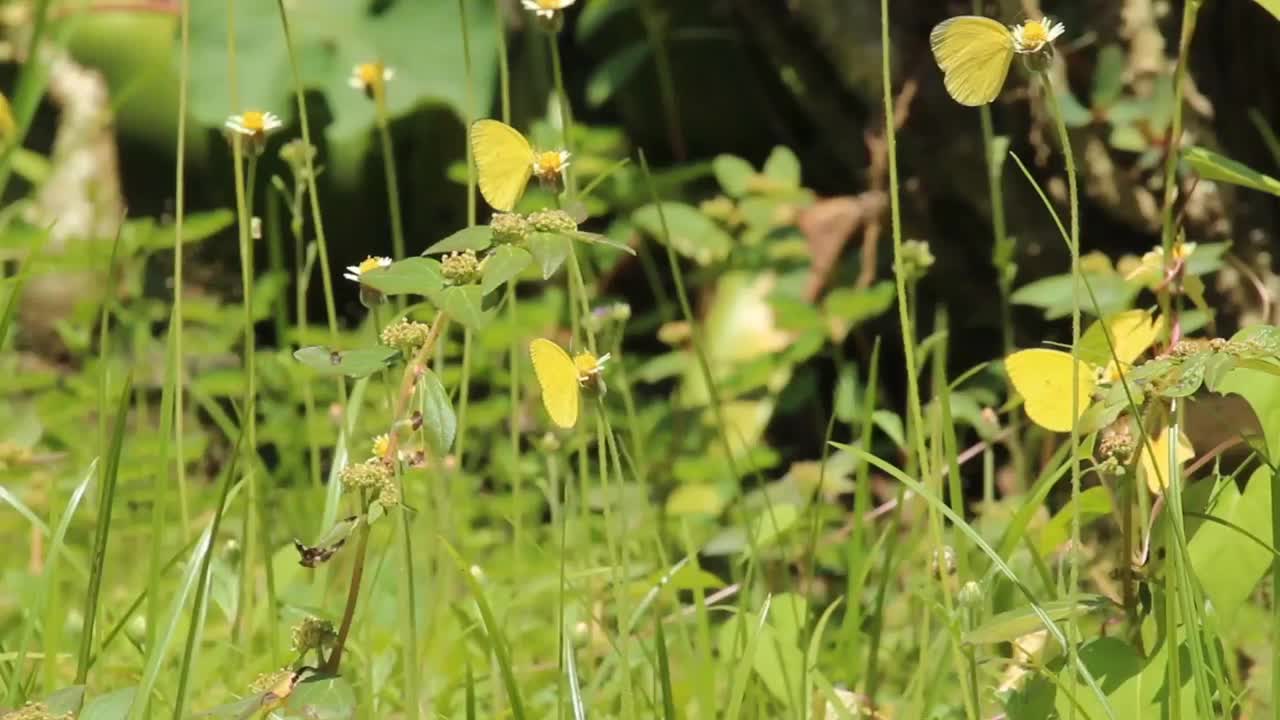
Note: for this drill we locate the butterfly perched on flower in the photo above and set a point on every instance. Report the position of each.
(975, 53)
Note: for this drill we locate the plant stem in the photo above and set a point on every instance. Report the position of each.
(389, 168)
(1167, 232)
(179, 216)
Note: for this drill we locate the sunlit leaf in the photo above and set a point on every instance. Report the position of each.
(411, 276)
(692, 234)
(1212, 166)
(352, 363)
(477, 237)
(438, 419)
(504, 263)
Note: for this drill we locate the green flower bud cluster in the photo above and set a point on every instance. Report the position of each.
(297, 154)
(13, 454)
(313, 634)
(372, 475)
(407, 336)
(461, 268)
(510, 228)
(916, 259)
(553, 221)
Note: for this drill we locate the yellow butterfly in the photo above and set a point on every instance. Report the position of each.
(562, 378)
(1043, 376)
(975, 52)
(1158, 479)
(505, 161)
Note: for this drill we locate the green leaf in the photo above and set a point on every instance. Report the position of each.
(1227, 564)
(772, 522)
(1074, 114)
(596, 15)
(1089, 506)
(1212, 166)
(1108, 75)
(66, 700)
(465, 303)
(615, 72)
(775, 661)
(847, 308)
(550, 251)
(438, 421)
(411, 276)
(195, 228)
(695, 499)
(1053, 294)
(591, 238)
(352, 363)
(477, 237)
(692, 234)
(112, 706)
(1271, 6)
(1013, 624)
(783, 167)
(419, 39)
(1187, 376)
(733, 173)
(504, 263)
(323, 698)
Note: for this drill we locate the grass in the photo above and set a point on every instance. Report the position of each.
(663, 558)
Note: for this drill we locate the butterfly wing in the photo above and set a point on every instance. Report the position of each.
(974, 54)
(1043, 378)
(558, 378)
(1157, 472)
(504, 162)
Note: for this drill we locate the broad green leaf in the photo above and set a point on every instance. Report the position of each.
(1108, 75)
(66, 700)
(847, 308)
(772, 522)
(596, 15)
(323, 698)
(1213, 166)
(438, 420)
(419, 39)
(1089, 506)
(1228, 564)
(692, 234)
(477, 237)
(1053, 294)
(733, 173)
(411, 276)
(352, 363)
(783, 168)
(465, 303)
(697, 499)
(591, 238)
(195, 228)
(615, 72)
(112, 706)
(550, 251)
(504, 263)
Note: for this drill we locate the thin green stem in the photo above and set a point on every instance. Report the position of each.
(1064, 137)
(464, 394)
(470, 110)
(179, 218)
(313, 194)
(389, 169)
(1167, 231)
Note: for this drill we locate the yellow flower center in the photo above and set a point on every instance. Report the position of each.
(549, 4)
(368, 264)
(586, 363)
(369, 73)
(381, 446)
(1034, 33)
(253, 121)
(548, 162)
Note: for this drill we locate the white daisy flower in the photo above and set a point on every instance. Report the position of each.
(546, 8)
(354, 272)
(254, 123)
(1032, 35)
(550, 165)
(370, 77)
